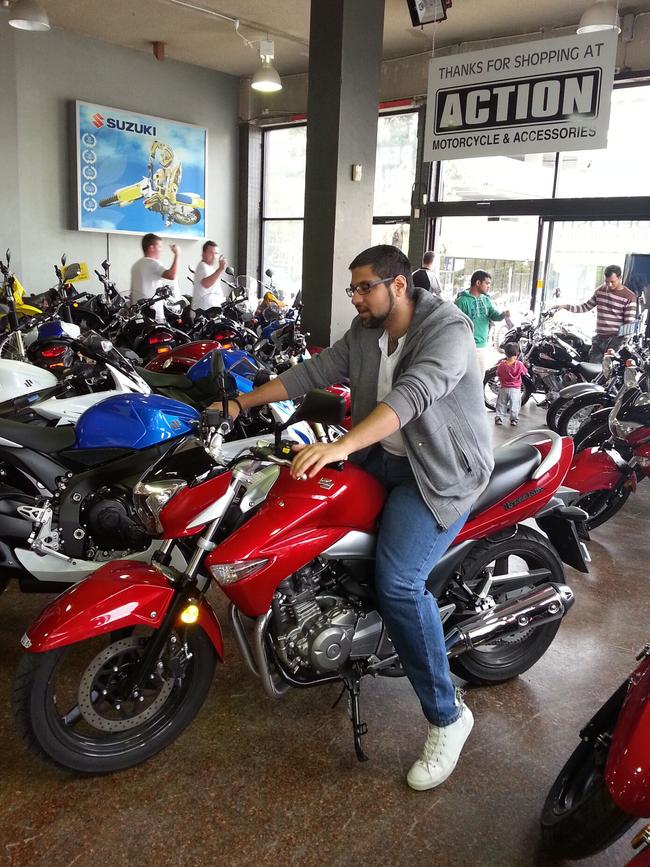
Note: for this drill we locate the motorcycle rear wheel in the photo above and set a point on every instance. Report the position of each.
(579, 817)
(512, 655)
(65, 719)
(491, 388)
(602, 505)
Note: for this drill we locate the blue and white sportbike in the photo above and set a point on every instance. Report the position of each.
(66, 493)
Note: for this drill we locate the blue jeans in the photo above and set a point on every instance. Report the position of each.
(409, 544)
(508, 402)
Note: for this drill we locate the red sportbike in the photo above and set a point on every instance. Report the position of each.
(606, 475)
(604, 788)
(117, 667)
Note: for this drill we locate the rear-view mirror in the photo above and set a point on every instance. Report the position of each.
(321, 406)
(230, 271)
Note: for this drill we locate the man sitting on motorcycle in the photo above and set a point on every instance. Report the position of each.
(419, 426)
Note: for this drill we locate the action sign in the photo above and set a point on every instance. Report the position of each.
(549, 95)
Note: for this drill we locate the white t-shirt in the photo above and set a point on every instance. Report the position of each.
(202, 298)
(394, 443)
(146, 277)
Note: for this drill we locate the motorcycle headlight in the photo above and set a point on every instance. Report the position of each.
(230, 573)
(149, 499)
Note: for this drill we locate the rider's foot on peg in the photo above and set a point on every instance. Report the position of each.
(441, 752)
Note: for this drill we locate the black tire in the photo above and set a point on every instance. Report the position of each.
(491, 387)
(577, 413)
(555, 410)
(508, 657)
(602, 505)
(68, 744)
(591, 434)
(111, 200)
(579, 817)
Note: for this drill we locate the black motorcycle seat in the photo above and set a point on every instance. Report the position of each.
(47, 440)
(513, 465)
(165, 380)
(590, 371)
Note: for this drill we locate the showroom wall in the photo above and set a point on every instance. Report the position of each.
(40, 74)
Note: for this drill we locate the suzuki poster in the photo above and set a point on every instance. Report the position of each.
(138, 174)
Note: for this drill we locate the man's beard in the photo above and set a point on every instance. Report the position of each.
(380, 321)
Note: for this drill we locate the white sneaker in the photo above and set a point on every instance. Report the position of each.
(441, 752)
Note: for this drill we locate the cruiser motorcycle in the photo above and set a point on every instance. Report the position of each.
(118, 666)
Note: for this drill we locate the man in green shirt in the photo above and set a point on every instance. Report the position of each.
(477, 305)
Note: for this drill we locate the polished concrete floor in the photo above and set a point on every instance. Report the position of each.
(253, 781)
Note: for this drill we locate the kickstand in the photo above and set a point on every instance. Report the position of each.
(359, 729)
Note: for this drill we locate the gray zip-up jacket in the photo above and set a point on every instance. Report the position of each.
(437, 395)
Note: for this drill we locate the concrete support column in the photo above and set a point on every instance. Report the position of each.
(250, 194)
(344, 74)
(10, 211)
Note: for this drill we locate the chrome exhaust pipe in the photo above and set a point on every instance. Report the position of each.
(542, 605)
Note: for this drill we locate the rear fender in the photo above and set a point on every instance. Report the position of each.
(628, 760)
(559, 526)
(595, 469)
(124, 593)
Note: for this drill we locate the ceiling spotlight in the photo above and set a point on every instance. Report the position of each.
(266, 79)
(29, 15)
(603, 15)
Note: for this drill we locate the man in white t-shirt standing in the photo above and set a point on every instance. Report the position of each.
(148, 273)
(207, 291)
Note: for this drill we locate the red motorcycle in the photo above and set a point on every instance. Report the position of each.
(606, 475)
(118, 666)
(605, 786)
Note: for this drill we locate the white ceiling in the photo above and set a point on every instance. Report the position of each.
(195, 37)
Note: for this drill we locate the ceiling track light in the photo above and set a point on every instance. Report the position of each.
(28, 15)
(601, 16)
(266, 78)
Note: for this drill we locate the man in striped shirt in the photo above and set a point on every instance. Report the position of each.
(615, 308)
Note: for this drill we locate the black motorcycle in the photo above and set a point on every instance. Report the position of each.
(553, 362)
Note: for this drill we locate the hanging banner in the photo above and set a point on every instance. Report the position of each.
(533, 97)
(138, 174)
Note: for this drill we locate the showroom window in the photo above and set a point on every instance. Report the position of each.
(283, 197)
(524, 218)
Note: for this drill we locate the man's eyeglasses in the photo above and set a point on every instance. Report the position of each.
(364, 288)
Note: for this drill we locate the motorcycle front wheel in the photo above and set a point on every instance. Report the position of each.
(508, 657)
(602, 505)
(491, 387)
(555, 410)
(579, 817)
(70, 707)
(577, 413)
(593, 433)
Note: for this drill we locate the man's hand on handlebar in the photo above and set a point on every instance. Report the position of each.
(309, 460)
(233, 409)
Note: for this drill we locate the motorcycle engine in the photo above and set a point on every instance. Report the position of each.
(317, 630)
(110, 524)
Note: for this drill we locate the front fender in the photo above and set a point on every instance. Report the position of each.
(124, 593)
(569, 392)
(628, 761)
(594, 470)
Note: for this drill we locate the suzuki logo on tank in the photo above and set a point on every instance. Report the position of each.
(549, 95)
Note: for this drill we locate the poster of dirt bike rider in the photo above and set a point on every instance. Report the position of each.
(139, 174)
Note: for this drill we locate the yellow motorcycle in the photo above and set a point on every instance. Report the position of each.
(159, 190)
